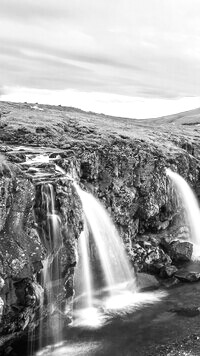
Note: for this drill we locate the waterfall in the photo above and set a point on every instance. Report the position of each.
(191, 207)
(50, 274)
(118, 283)
(84, 248)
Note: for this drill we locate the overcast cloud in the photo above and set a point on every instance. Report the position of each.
(130, 49)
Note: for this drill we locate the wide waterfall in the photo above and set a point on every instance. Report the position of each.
(104, 283)
(191, 207)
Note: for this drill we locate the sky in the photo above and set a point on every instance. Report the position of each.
(132, 58)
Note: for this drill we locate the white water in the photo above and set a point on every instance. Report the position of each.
(51, 267)
(52, 241)
(113, 258)
(191, 207)
(84, 250)
(115, 287)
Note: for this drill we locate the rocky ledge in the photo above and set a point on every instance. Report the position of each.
(122, 162)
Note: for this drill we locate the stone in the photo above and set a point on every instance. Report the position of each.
(167, 271)
(188, 312)
(156, 259)
(146, 281)
(170, 282)
(181, 251)
(187, 276)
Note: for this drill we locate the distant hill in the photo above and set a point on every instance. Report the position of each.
(191, 117)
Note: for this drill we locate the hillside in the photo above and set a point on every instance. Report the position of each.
(52, 125)
(191, 117)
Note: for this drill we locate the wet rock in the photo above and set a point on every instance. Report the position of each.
(146, 282)
(149, 258)
(177, 250)
(167, 271)
(156, 259)
(187, 276)
(181, 251)
(188, 312)
(170, 282)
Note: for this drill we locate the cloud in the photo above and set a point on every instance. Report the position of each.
(2, 92)
(25, 10)
(147, 48)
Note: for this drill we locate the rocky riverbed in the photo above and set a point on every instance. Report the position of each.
(122, 162)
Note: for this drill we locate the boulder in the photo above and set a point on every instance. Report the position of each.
(187, 276)
(179, 251)
(156, 259)
(146, 281)
(149, 258)
(170, 282)
(168, 271)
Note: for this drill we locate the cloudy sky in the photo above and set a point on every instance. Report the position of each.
(134, 58)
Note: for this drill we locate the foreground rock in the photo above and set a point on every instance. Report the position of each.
(187, 276)
(146, 282)
(177, 250)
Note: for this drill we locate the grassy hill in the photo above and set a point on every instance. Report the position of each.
(62, 127)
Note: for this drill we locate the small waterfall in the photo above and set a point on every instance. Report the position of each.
(52, 233)
(191, 207)
(118, 285)
(84, 251)
(50, 274)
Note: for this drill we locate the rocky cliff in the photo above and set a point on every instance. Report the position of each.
(121, 161)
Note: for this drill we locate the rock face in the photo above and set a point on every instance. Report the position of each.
(122, 162)
(22, 248)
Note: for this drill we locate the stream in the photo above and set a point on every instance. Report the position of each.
(139, 332)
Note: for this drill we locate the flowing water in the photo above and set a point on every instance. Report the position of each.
(108, 279)
(113, 258)
(191, 206)
(110, 316)
(105, 283)
(156, 323)
(50, 315)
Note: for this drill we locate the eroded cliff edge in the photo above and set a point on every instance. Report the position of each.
(122, 162)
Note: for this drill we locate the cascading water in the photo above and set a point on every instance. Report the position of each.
(115, 264)
(191, 207)
(84, 251)
(118, 284)
(98, 295)
(50, 274)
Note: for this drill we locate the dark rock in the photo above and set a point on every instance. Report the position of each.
(170, 282)
(177, 250)
(187, 276)
(40, 129)
(188, 312)
(146, 282)
(167, 271)
(181, 251)
(156, 259)
(149, 258)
